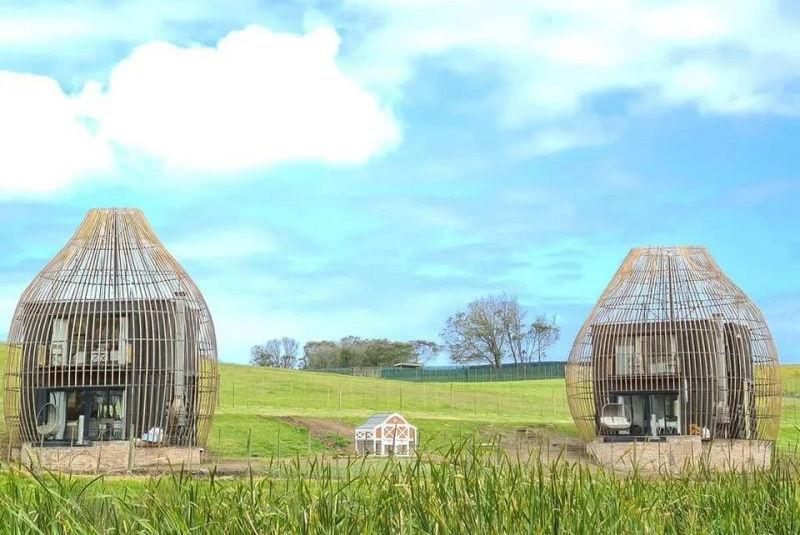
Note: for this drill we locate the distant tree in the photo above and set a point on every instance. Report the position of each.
(352, 351)
(425, 350)
(288, 359)
(317, 355)
(494, 330)
(543, 334)
(260, 355)
(275, 353)
(382, 352)
(476, 335)
(527, 342)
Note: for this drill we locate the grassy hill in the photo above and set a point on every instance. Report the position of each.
(250, 397)
(277, 407)
(443, 411)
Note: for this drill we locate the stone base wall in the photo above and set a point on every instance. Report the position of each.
(679, 454)
(729, 454)
(108, 457)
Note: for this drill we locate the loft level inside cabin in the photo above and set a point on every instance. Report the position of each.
(87, 338)
(668, 348)
(101, 333)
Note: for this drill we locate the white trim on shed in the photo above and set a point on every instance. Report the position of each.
(386, 433)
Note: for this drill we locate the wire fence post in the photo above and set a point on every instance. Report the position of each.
(131, 451)
(249, 446)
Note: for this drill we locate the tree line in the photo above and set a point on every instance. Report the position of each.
(492, 330)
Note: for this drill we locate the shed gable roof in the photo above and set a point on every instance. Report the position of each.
(379, 418)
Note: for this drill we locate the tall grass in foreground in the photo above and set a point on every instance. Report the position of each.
(465, 492)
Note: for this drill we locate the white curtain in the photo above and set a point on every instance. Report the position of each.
(58, 341)
(122, 355)
(623, 357)
(59, 399)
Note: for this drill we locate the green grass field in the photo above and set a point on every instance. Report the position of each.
(468, 490)
(443, 411)
(253, 400)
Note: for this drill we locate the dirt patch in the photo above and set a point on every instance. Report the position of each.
(540, 440)
(333, 433)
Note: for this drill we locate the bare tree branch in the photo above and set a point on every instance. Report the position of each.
(494, 329)
(275, 353)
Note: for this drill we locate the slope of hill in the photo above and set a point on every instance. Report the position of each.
(442, 411)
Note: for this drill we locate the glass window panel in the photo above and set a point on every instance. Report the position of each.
(623, 356)
(658, 353)
(74, 405)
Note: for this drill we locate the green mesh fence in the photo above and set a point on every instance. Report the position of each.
(453, 374)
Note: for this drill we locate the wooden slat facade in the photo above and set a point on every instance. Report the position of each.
(117, 331)
(671, 329)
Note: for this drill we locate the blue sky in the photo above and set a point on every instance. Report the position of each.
(354, 167)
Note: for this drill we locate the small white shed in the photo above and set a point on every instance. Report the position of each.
(386, 433)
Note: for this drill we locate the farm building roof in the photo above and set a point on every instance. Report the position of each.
(379, 418)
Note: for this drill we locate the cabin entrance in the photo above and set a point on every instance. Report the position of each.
(80, 415)
(649, 413)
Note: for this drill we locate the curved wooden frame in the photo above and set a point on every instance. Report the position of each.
(672, 327)
(114, 322)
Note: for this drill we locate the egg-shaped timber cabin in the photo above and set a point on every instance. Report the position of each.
(112, 341)
(674, 348)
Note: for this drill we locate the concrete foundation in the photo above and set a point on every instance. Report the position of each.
(109, 457)
(683, 453)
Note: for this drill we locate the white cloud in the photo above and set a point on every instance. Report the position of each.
(44, 144)
(256, 99)
(550, 141)
(418, 213)
(550, 56)
(260, 97)
(63, 22)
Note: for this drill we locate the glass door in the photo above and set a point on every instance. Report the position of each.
(106, 415)
(649, 410)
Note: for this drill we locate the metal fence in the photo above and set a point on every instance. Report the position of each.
(459, 374)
